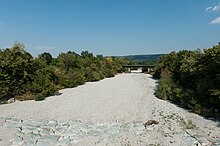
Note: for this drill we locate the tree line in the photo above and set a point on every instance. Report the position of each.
(24, 77)
(191, 79)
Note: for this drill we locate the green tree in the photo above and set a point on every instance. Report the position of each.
(46, 57)
(68, 60)
(16, 69)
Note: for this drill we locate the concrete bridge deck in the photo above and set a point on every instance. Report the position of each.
(139, 68)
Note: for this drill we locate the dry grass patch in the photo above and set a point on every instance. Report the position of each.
(23, 97)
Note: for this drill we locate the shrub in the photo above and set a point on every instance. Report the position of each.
(190, 78)
(72, 78)
(164, 89)
(39, 97)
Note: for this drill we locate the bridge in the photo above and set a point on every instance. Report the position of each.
(139, 68)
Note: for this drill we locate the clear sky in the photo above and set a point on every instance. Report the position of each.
(110, 27)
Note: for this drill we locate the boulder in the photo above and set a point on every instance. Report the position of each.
(11, 100)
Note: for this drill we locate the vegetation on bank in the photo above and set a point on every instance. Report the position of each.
(188, 78)
(24, 77)
(191, 79)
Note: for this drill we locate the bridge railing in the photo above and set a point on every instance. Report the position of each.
(149, 66)
(144, 68)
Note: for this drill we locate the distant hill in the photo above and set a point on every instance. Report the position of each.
(141, 58)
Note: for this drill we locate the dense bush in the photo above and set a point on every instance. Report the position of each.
(190, 78)
(16, 70)
(25, 77)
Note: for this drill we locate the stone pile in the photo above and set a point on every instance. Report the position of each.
(64, 133)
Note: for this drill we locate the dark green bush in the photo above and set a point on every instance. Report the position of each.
(72, 78)
(164, 89)
(190, 78)
(16, 69)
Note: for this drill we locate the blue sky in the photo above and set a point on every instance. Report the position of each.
(110, 27)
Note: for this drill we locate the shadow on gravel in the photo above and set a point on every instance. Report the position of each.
(214, 117)
(210, 114)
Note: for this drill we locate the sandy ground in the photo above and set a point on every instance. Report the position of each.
(125, 98)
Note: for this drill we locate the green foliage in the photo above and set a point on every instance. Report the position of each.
(46, 57)
(165, 61)
(72, 78)
(164, 89)
(43, 81)
(25, 77)
(67, 60)
(39, 97)
(16, 69)
(190, 78)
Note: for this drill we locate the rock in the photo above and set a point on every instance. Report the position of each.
(35, 136)
(50, 138)
(102, 127)
(34, 124)
(201, 139)
(130, 124)
(94, 133)
(11, 100)
(27, 129)
(189, 141)
(78, 138)
(207, 144)
(52, 132)
(150, 122)
(17, 141)
(35, 131)
(74, 123)
(138, 125)
(64, 142)
(70, 132)
(123, 128)
(13, 120)
(150, 128)
(196, 143)
(113, 129)
(42, 143)
(9, 125)
(30, 142)
(45, 132)
(217, 142)
(204, 141)
(60, 130)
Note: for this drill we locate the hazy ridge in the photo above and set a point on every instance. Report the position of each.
(141, 58)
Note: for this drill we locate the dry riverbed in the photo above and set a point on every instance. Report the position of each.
(109, 112)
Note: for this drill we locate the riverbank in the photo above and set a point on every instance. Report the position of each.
(109, 112)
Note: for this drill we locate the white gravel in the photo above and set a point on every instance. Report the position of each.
(124, 98)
